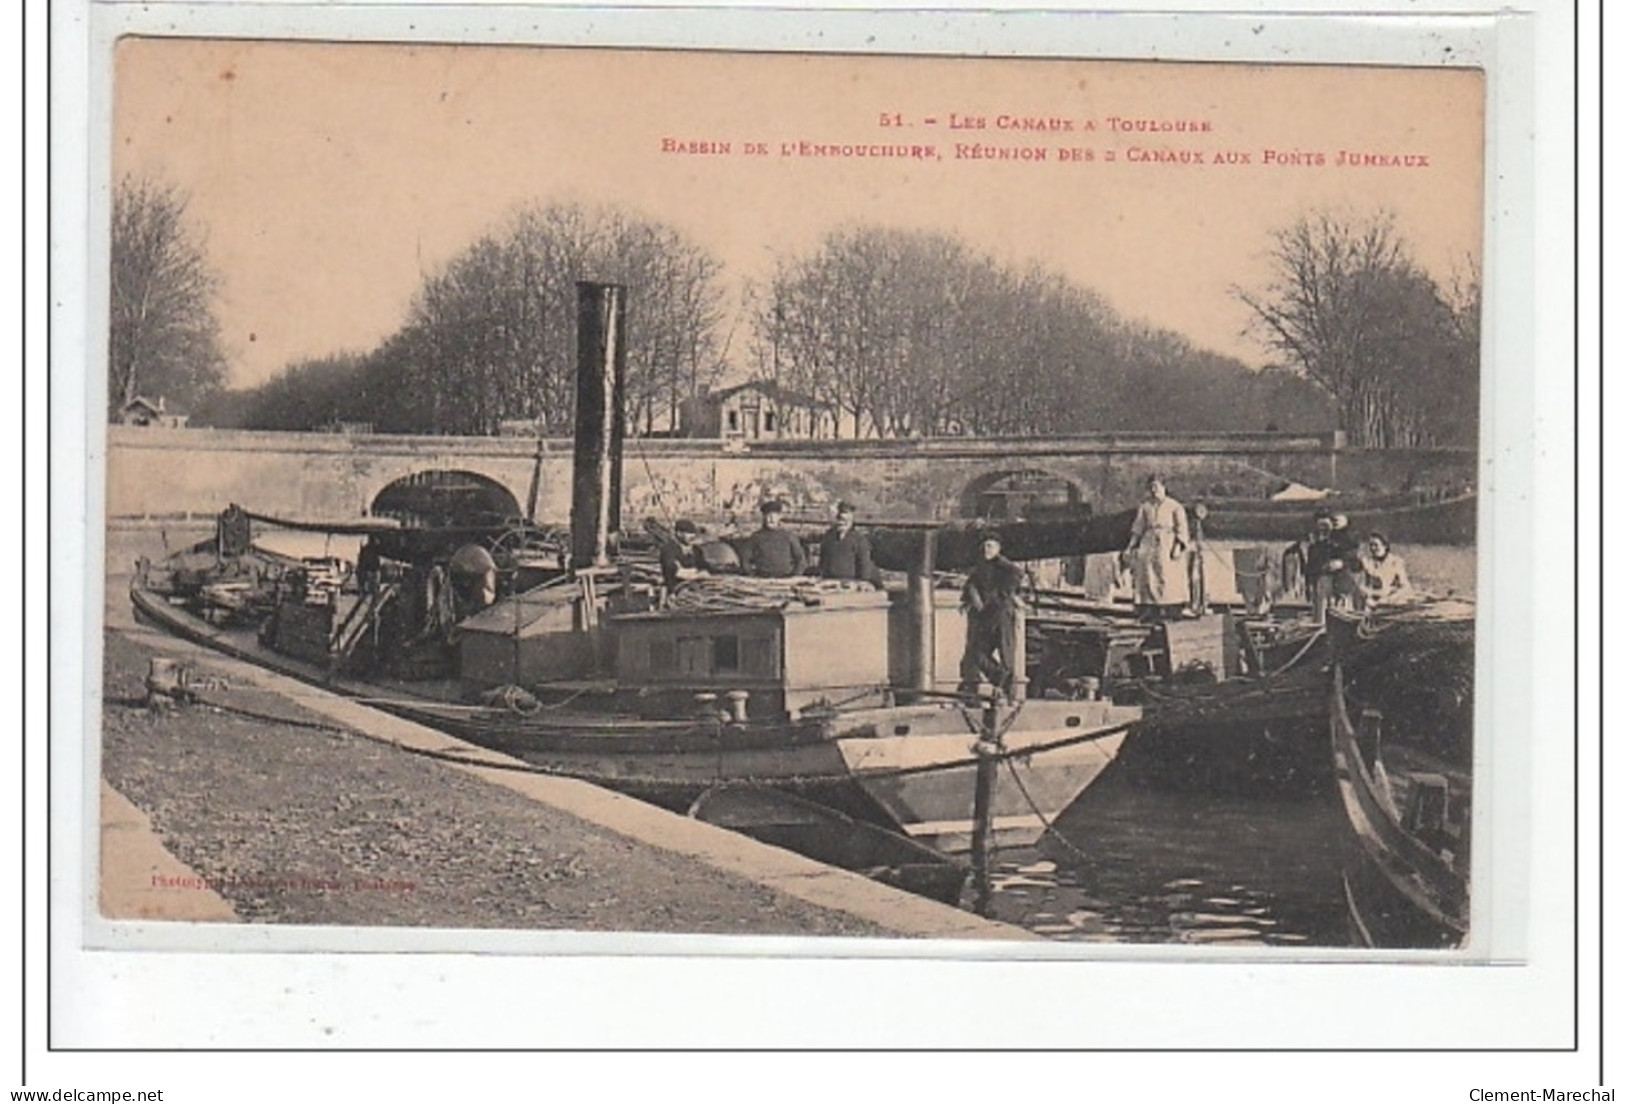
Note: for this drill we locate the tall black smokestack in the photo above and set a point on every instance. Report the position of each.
(595, 503)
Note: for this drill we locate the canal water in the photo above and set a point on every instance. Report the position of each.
(1129, 863)
(1133, 863)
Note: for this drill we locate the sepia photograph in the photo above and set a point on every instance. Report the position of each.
(709, 492)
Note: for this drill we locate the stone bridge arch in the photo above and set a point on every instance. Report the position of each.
(439, 497)
(1021, 490)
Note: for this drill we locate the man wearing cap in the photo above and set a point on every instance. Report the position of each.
(1329, 564)
(680, 554)
(772, 552)
(844, 552)
(1295, 560)
(991, 600)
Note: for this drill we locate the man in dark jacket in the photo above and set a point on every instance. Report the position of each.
(771, 552)
(844, 552)
(991, 599)
(680, 555)
(1329, 561)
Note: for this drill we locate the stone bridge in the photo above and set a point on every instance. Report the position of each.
(168, 473)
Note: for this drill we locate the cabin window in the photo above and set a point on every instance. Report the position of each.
(733, 420)
(758, 656)
(662, 656)
(725, 653)
(767, 421)
(694, 655)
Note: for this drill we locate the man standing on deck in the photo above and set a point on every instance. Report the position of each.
(844, 552)
(771, 552)
(1329, 563)
(991, 600)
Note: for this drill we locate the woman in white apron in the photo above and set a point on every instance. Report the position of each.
(1158, 548)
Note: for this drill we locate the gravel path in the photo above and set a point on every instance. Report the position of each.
(300, 823)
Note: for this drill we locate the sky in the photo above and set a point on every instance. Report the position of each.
(329, 179)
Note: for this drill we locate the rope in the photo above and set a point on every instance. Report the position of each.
(270, 718)
(427, 753)
(833, 708)
(974, 723)
(1049, 825)
(515, 698)
(1293, 662)
(548, 707)
(660, 499)
(504, 700)
(1009, 760)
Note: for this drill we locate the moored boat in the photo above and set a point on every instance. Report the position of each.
(793, 694)
(825, 689)
(1406, 518)
(1232, 702)
(1407, 874)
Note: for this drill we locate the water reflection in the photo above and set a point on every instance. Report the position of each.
(1135, 865)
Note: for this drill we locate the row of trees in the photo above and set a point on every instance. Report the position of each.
(914, 333)
(492, 337)
(903, 333)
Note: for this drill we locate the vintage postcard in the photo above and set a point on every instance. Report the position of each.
(801, 507)
(695, 492)
(597, 528)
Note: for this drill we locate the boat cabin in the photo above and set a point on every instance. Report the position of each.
(768, 661)
(778, 654)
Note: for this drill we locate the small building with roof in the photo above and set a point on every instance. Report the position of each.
(142, 411)
(759, 410)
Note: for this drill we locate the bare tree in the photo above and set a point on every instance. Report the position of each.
(877, 323)
(492, 335)
(1351, 310)
(163, 337)
(912, 333)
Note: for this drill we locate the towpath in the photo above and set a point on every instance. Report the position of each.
(290, 805)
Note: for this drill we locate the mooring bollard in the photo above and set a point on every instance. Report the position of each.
(987, 765)
(166, 682)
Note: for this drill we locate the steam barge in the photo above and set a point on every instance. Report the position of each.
(825, 690)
